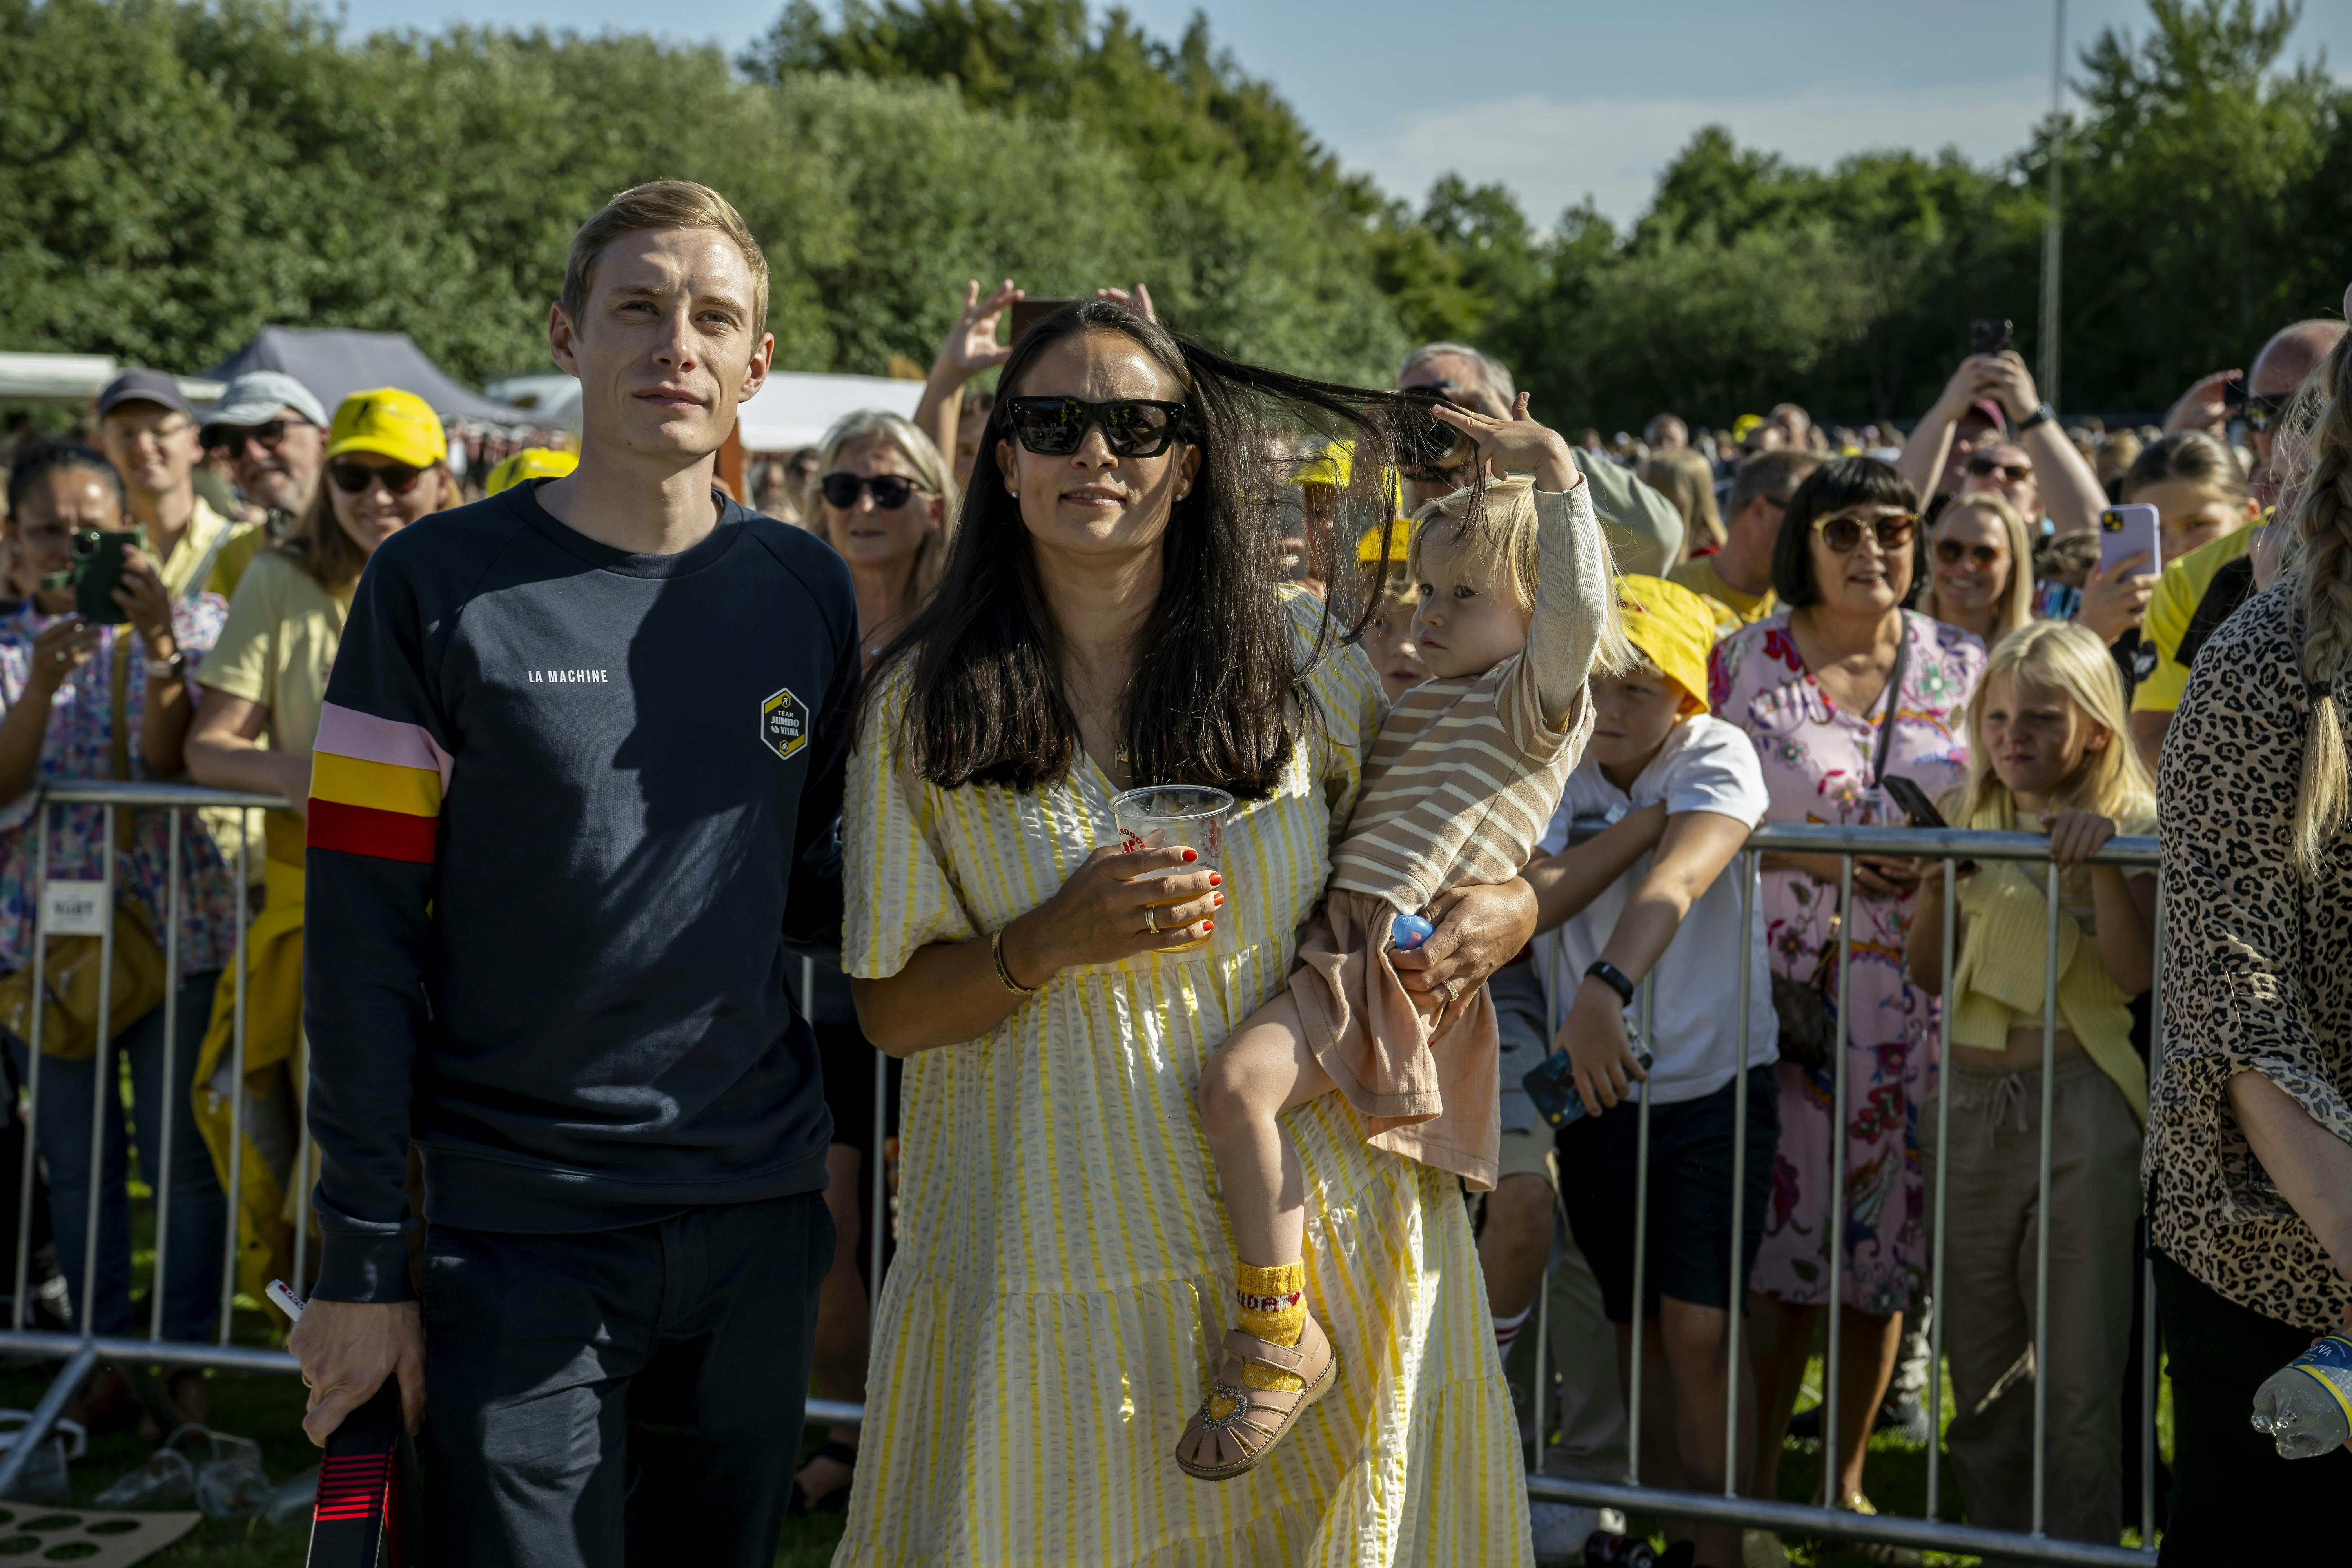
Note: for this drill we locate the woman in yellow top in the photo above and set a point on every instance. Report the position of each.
(387, 465)
(1111, 618)
(2047, 744)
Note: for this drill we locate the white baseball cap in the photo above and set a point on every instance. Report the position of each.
(255, 398)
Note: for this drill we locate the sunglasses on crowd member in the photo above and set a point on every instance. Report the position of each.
(1427, 448)
(890, 491)
(358, 479)
(234, 436)
(2011, 473)
(2262, 413)
(1131, 427)
(1951, 552)
(1843, 533)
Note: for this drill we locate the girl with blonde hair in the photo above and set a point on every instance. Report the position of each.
(2049, 745)
(2250, 1125)
(1981, 566)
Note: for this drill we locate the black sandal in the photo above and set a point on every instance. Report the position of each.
(837, 1499)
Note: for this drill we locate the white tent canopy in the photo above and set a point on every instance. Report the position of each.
(78, 378)
(793, 409)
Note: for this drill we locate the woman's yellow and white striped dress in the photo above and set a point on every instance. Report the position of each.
(1064, 1274)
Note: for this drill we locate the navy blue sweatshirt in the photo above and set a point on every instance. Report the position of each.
(567, 806)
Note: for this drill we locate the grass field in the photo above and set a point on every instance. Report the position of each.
(268, 1409)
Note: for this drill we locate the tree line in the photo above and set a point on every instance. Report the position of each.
(175, 173)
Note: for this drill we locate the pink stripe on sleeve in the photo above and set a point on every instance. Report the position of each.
(348, 732)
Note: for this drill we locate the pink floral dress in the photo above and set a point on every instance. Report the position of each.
(1817, 761)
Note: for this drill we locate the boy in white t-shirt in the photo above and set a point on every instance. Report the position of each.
(1642, 901)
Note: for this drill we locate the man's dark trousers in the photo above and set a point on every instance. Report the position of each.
(625, 1397)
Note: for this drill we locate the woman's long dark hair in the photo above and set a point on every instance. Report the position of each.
(1219, 689)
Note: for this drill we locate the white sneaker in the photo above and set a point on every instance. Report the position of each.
(1560, 1530)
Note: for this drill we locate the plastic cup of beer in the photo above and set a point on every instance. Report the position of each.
(1168, 816)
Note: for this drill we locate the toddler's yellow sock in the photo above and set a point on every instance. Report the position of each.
(1274, 1308)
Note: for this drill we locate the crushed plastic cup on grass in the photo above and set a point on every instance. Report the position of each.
(293, 1501)
(44, 1477)
(232, 1484)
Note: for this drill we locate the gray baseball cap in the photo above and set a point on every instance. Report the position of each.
(255, 398)
(144, 387)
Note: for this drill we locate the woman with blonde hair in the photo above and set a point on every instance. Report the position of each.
(387, 465)
(887, 504)
(2049, 743)
(1687, 479)
(1980, 567)
(2249, 1167)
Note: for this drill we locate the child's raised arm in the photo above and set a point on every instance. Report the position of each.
(1573, 558)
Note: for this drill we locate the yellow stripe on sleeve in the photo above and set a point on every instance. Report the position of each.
(381, 786)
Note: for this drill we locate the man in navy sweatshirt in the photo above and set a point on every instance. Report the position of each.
(576, 785)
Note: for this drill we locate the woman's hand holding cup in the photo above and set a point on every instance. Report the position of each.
(1116, 905)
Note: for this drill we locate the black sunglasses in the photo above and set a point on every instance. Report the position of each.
(1427, 448)
(234, 436)
(358, 479)
(1131, 427)
(2015, 473)
(890, 491)
(2262, 413)
(1951, 552)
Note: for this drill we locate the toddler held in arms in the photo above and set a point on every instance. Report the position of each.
(1516, 602)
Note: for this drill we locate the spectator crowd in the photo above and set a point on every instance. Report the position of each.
(1557, 683)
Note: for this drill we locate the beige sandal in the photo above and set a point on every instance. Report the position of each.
(1214, 1450)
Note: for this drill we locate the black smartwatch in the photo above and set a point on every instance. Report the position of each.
(2041, 416)
(1611, 976)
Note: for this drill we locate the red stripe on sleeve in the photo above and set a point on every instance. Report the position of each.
(364, 830)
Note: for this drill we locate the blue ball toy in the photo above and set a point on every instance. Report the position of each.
(1408, 931)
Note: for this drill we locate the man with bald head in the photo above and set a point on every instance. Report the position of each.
(1643, 528)
(2203, 587)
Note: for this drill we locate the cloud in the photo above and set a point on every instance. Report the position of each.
(1554, 154)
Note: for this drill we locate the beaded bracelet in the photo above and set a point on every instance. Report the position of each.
(996, 952)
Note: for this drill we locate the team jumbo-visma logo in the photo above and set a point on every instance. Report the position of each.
(783, 723)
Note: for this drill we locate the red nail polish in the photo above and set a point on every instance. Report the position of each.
(1221, 900)
(1189, 857)
(1216, 880)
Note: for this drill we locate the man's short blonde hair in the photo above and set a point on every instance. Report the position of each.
(662, 204)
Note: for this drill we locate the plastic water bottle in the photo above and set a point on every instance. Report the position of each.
(1407, 932)
(2307, 1404)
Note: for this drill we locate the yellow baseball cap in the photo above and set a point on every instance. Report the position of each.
(1674, 629)
(1368, 547)
(1744, 424)
(392, 424)
(530, 463)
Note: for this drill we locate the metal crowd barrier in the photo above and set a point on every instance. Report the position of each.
(1729, 1507)
(81, 1352)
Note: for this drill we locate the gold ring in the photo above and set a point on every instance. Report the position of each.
(1151, 921)
(1446, 985)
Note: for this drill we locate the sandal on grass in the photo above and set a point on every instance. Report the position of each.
(1216, 1448)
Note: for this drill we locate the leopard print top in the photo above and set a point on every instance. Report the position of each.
(2256, 971)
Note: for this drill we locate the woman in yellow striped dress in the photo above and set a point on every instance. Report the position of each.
(1064, 1280)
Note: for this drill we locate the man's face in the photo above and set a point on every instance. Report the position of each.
(276, 463)
(2006, 469)
(153, 447)
(2278, 371)
(1458, 377)
(1765, 438)
(664, 348)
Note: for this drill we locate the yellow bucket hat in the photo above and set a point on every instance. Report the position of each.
(1368, 544)
(1674, 629)
(530, 463)
(392, 424)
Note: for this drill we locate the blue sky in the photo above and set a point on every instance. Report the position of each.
(1568, 100)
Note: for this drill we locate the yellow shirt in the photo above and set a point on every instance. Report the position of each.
(1701, 577)
(275, 648)
(2170, 609)
(237, 541)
